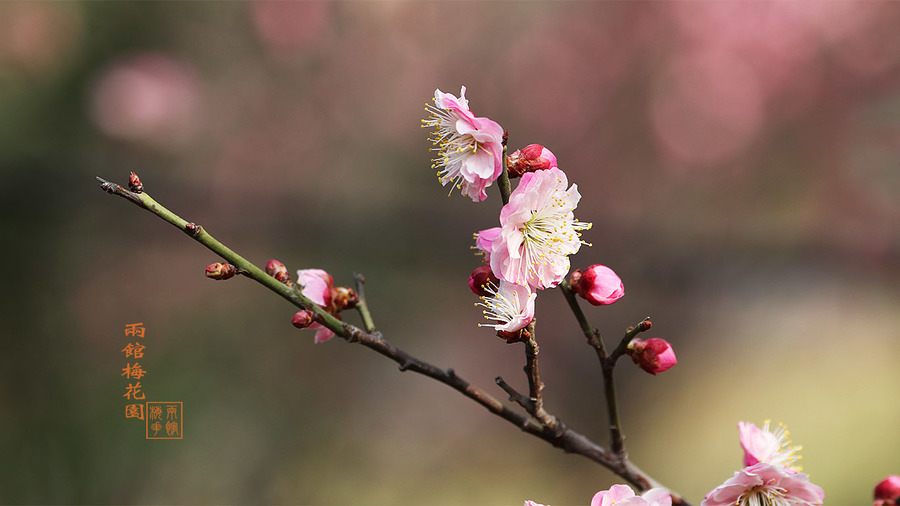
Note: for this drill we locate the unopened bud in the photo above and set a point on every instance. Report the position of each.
(344, 298)
(531, 158)
(134, 183)
(278, 271)
(480, 279)
(653, 355)
(888, 490)
(598, 284)
(220, 271)
(303, 318)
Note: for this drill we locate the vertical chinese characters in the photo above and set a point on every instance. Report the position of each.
(133, 370)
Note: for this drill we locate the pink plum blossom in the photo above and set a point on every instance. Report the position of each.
(470, 149)
(538, 231)
(622, 495)
(510, 305)
(768, 446)
(598, 284)
(654, 355)
(484, 241)
(765, 484)
(318, 286)
(531, 158)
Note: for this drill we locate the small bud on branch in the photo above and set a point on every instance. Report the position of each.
(220, 270)
(303, 319)
(134, 183)
(278, 271)
(653, 355)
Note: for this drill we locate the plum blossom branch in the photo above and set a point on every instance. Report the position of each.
(535, 385)
(607, 365)
(548, 428)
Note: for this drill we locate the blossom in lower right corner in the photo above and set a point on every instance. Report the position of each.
(887, 492)
(654, 355)
(766, 484)
(622, 495)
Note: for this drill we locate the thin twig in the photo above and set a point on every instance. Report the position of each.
(361, 305)
(591, 333)
(557, 433)
(630, 334)
(514, 395)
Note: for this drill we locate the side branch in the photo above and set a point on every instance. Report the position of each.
(555, 433)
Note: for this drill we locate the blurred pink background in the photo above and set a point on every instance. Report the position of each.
(740, 162)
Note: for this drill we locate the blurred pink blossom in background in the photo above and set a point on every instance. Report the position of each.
(147, 97)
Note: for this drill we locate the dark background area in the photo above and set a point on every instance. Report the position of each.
(739, 162)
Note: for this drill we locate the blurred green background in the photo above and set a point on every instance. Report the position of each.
(739, 162)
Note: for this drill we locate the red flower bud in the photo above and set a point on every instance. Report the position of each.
(653, 355)
(480, 279)
(219, 270)
(278, 271)
(303, 318)
(888, 490)
(598, 284)
(529, 159)
(134, 183)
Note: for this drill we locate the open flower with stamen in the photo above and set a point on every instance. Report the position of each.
(769, 446)
(538, 231)
(470, 149)
(766, 485)
(510, 305)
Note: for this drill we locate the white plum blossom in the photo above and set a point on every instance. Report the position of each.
(538, 231)
(510, 305)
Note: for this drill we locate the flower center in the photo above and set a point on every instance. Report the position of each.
(497, 306)
(763, 495)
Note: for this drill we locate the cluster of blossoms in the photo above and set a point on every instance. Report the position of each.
(538, 231)
(623, 495)
(769, 476)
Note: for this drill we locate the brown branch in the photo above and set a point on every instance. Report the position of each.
(556, 432)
